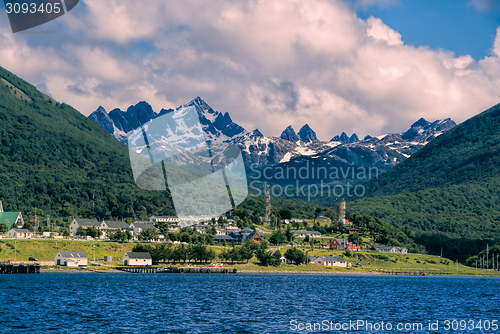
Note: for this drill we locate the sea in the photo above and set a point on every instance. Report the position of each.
(247, 303)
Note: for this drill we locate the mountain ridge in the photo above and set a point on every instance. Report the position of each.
(264, 150)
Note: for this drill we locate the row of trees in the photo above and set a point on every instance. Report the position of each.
(202, 253)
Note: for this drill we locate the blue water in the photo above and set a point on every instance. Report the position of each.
(241, 303)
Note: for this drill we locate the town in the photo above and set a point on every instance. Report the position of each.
(272, 240)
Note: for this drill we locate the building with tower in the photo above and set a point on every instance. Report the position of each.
(339, 209)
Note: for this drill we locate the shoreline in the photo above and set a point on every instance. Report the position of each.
(264, 271)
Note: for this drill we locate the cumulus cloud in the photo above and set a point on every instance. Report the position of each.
(268, 63)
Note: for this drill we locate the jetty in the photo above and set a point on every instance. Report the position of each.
(178, 270)
(9, 268)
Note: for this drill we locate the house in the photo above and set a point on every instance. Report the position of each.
(137, 259)
(392, 249)
(338, 244)
(331, 261)
(311, 258)
(219, 239)
(11, 219)
(342, 244)
(353, 230)
(85, 223)
(323, 219)
(300, 220)
(19, 234)
(403, 250)
(285, 260)
(114, 225)
(302, 234)
(253, 236)
(227, 229)
(70, 259)
(246, 234)
(137, 227)
(165, 219)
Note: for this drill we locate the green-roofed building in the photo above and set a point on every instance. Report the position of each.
(11, 219)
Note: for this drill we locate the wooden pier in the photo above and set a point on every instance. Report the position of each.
(179, 270)
(8, 268)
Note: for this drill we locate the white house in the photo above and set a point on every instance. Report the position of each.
(71, 259)
(392, 249)
(19, 234)
(302, 234)
(137, 259)
(165, 219)
(331, 261)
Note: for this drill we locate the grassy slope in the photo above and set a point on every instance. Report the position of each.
(45, 250)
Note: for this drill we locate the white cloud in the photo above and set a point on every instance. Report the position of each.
(480, 5)
(268, 63)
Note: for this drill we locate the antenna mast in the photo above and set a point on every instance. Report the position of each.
(268, 203)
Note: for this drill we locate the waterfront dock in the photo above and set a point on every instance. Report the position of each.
(8, 268)
(179, 270)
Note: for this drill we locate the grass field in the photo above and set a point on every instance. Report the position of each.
(45, 250)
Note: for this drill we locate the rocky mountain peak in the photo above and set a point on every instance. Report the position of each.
(424, 131)
(306, 134)
(422, 122)
(344, 138)
(100, 116)
(289, 134)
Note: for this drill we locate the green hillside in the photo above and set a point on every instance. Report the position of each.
(468, 152)
(447, 194)
(54, 158)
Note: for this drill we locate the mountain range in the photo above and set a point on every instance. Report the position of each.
(384, 151)
(444, 193)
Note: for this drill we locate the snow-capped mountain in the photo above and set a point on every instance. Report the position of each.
(220, 130)
(217, 127)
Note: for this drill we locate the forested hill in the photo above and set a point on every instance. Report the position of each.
(54, 158)
(468, 152)
(447, 195)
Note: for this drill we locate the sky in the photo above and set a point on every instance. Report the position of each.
(363, 66)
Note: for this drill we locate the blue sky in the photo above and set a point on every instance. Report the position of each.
(456, 25)
(364, 66)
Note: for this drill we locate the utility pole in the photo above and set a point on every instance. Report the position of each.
(457, 265)
(487, 250)
(15, 249)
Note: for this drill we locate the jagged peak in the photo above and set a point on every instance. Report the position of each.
(289, 134)
(257, 133)
(306, 134)
(421, 122)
